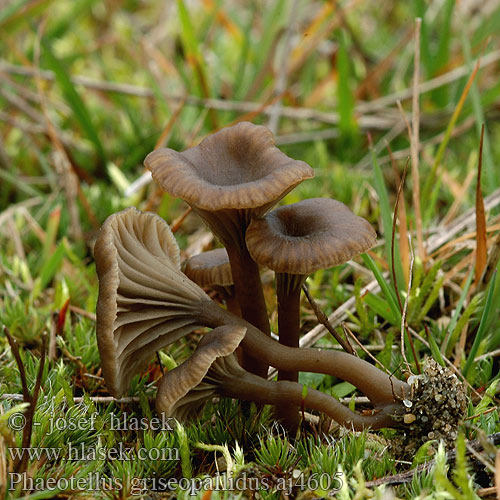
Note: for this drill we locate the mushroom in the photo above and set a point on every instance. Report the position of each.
(298, 239)
(213, 370)
(212, 269)
(145, 303)
(231, 176)
(294, 241)
(184, 390)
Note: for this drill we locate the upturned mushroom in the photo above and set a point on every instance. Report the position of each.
(297, 240)
(231, 176)
(213, 370)
(145, 303)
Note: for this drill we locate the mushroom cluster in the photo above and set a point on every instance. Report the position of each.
(232, 180)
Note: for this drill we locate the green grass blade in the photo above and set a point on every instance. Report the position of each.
(425, 45)
(440, 59)
(386, 289)
(51, 234)
(436, 354)
(458, 310)
(381, 307)
(386, 215)
(447, 136)
(481, 332)
(273, 21)
(489, 170)
(13, 178)
(67, 22)
(48, 270)
(243, 57)
(81, 114)
(188, 36)
(347, 123)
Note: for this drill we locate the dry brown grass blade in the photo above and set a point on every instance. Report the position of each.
(400, 212)
(253, 114)
(372, 79)
(313, 35)
(450, 248)
(224, 20)
(347, 331)
(481, 248)
(323, 320)
(459, 191)
(177, 223)
(166, 132)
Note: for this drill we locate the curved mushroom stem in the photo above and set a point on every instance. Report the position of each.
(288, 287)
(252, 388)
(379, 387)
(248, 287)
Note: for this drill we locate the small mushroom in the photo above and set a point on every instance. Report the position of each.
(212, 269)
(231, 176)
(213, 370)
(296, 240)
(184, 390)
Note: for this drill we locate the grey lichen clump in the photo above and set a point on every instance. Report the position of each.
(434, 409)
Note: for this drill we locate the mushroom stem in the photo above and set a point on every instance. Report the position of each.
(379, 387)
(248, 287)
(288, 288)
(252, 388)
(288, 293)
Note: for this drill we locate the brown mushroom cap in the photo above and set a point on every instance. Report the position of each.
(238, 167)
(184, 390)
(303, 237)
(145, 302)
(210, 268)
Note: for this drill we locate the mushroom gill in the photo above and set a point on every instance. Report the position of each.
(144, 302)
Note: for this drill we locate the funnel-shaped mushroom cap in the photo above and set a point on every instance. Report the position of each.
(238, 167)
(210, 268)
(184, 390)
(145, 302)
(309, 235)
